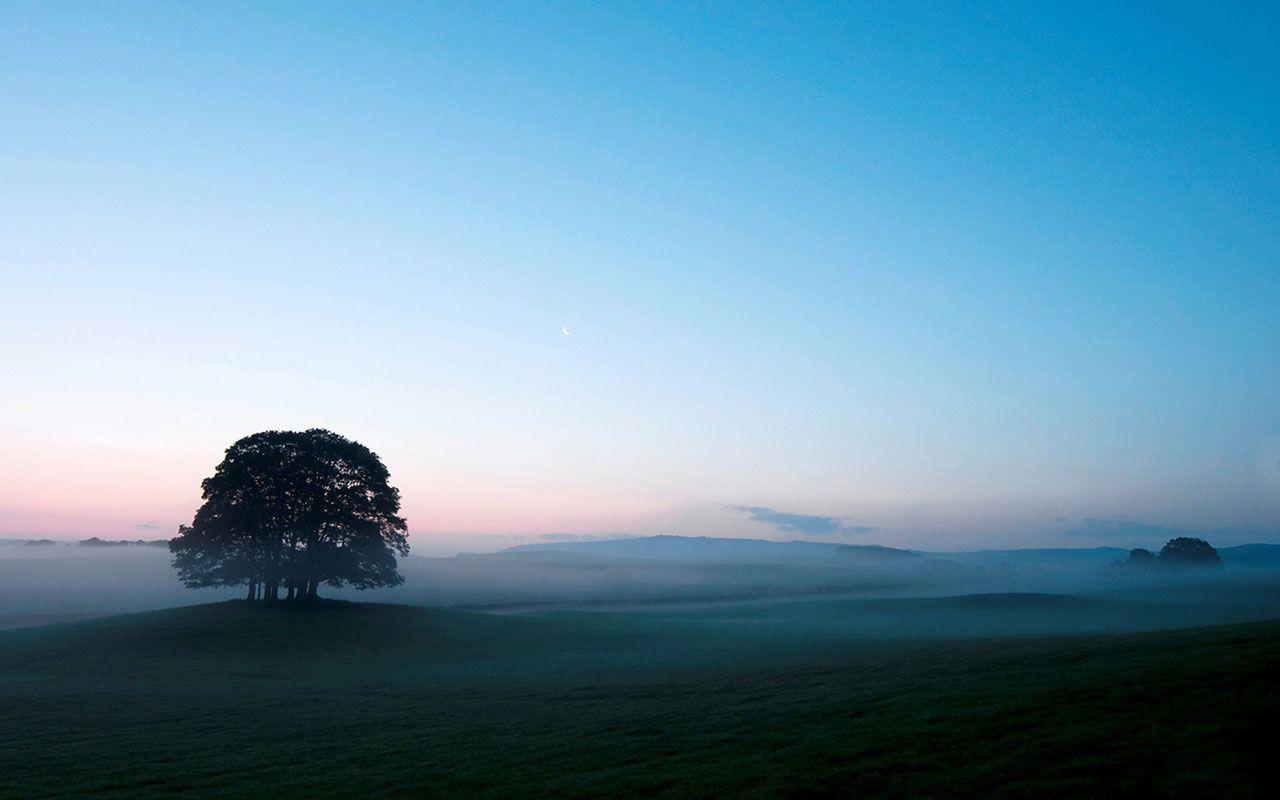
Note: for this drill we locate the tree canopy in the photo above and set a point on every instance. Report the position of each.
(1189, 550)
(1184, 551)
(294, 509)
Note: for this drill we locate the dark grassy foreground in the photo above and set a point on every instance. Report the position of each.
(360, 700)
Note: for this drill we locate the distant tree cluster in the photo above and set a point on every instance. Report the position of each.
(291, 510)
(1182, 551)
(1189, 550)
(1141, 555)
(94, 541)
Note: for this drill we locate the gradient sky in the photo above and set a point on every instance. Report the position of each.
(987, 275)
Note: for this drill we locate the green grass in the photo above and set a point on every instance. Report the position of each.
(352, 700)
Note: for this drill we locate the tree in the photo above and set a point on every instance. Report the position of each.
(1190, 551)
(294, 510)
(1141, 555)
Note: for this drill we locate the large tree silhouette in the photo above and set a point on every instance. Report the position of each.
(294, 510)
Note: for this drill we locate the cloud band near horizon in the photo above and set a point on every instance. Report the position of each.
(806, 524)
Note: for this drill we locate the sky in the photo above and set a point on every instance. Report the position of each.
(914, 274)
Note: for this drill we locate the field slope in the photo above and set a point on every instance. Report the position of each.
(350, 700)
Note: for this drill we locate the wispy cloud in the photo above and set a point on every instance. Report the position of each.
(149, 525)
(804, 524)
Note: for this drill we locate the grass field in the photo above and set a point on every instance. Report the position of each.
(351, 700)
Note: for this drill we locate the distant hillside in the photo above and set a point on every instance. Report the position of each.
(1038, 555)
(670, 547)
(1251, 555)
(1245, 555)
(708, 548)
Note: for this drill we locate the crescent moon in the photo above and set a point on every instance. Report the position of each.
(565, 330)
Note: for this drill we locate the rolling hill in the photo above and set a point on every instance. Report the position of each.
(710, 548)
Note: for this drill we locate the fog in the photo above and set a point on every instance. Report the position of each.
(800, 586)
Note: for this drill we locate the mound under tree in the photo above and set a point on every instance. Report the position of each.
(292, 510)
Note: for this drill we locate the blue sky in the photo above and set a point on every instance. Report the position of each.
(960, 276)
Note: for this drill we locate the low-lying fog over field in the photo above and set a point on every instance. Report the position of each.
(868, 589)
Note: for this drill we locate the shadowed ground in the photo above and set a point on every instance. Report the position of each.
(347, 699)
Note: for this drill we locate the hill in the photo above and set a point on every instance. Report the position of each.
(1251, 555)
(351, 700)
(1088, 556)
(710, 548)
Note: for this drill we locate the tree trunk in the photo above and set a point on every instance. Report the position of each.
(253, 589)
(312, 588)
(289, 593)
